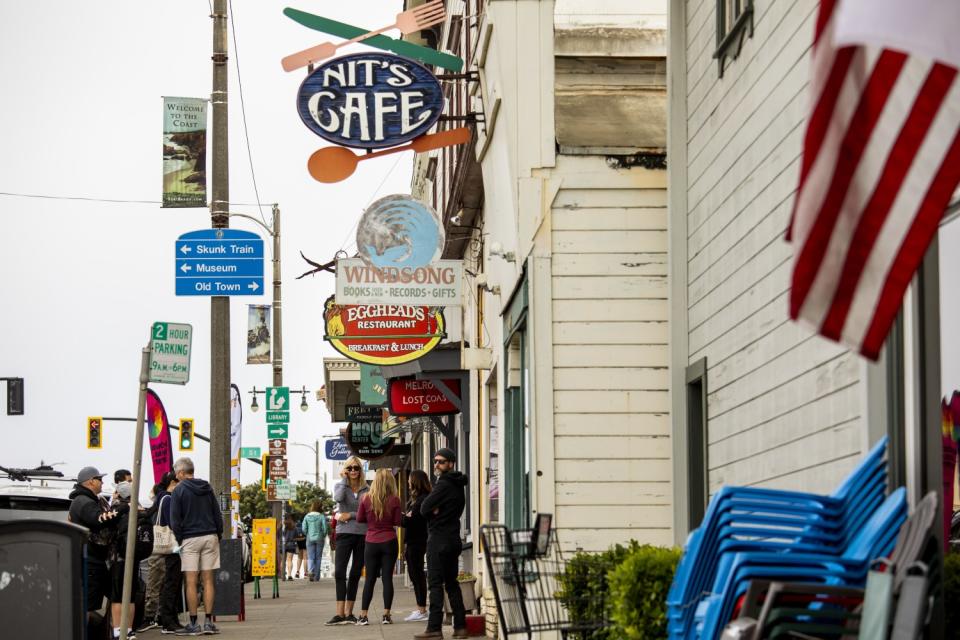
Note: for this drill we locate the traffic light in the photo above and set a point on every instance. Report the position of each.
(14, 396)
(186, 434)
(264, 468)
(95, 433)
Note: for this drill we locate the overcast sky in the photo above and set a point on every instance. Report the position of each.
(83, 281)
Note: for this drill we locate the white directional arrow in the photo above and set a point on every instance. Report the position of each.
(253, 286)
(184, 249)
(185, 268)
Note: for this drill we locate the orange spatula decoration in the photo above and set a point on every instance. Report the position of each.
(333, 164)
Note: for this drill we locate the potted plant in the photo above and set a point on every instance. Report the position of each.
(468, 591)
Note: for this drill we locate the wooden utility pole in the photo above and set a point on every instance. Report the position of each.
(220, 305)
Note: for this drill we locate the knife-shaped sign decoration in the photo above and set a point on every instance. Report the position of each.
(386, 43)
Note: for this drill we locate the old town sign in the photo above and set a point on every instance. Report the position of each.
(370, 100)
(383, 334)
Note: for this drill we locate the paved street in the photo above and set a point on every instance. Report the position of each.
(302, 609)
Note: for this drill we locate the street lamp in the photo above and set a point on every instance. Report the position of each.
(304, 406)
(316, 454)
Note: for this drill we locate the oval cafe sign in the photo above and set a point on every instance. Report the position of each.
(370, 100)
(383, 333)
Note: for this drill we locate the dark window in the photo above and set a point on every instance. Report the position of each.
(734, 23)
(698, 492)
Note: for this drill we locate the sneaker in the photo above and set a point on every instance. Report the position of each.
(386, 619)
(210, 629)
(175, 630)
(350, 619)
(192, 629)
(131, 634)
(362, 621)
(148, 623)
(335, 620)
(417, 616)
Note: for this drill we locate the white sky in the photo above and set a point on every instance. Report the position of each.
(81, 282)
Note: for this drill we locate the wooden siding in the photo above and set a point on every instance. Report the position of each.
(610, 359)
(784, 407)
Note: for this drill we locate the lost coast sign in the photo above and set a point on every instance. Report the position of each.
(410, 398)
(383, 333)
(370, 100)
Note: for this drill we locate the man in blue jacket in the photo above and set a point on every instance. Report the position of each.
(197, 524)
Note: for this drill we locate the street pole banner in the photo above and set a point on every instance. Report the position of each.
(184, 152)
(258, 334)
(236, 428)
(161, 451)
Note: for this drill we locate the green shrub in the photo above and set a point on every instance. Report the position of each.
(951, 589)
(638, 592)
(583, 588)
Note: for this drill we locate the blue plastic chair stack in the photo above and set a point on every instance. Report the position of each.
(741, 519)
(848, 568)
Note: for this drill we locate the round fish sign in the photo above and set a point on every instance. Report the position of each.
(382, 333)
(398, 231)
(370, 100)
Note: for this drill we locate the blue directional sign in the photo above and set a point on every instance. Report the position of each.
(219, 262)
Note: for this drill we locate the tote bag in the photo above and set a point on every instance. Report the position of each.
(163, 538)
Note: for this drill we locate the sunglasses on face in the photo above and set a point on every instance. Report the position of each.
(440, 461)
(352, 468)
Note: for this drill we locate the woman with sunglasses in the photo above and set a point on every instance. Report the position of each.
(380, 509)
(350, 538)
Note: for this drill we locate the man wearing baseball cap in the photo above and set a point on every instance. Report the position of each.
(88, 509)
(442, 508)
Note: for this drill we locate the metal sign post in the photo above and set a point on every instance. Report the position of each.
(134, 494)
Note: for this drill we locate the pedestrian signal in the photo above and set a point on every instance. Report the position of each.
(95, 433)
(186, 434)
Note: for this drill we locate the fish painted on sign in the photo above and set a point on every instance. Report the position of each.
(398, 231)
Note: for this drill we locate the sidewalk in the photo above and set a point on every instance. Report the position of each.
(304, 606)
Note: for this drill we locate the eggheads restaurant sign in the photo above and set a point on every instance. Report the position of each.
(439, 283)
(409, 397)
(370, 100)
(383, 333)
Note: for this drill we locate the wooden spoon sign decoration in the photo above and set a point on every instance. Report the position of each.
(333, 164)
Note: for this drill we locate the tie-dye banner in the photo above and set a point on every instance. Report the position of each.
(236, 428)
(161, 451)
(184, 152)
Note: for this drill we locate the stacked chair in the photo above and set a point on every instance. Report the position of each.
(750, 533)
(894, 605)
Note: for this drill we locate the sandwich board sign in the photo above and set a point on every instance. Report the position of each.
(170, 348)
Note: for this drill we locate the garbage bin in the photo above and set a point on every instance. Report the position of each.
(42, 579)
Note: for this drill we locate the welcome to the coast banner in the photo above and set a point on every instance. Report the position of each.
(184, 152)
(161, 451)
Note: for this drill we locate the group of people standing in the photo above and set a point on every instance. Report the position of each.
(187, 506)
(367, 520)
(303, 543)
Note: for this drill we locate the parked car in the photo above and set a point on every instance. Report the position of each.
(27, 500)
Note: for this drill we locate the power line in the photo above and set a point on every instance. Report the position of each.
(243, 112)
(45, 196)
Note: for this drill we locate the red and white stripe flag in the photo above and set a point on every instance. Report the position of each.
(881, 159)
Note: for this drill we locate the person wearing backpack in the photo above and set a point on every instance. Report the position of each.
(315, 528)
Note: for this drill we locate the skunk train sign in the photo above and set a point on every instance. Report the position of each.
(370, 100)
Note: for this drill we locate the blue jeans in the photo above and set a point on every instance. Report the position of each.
(314, 557)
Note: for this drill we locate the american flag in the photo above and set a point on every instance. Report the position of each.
(881, 159)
